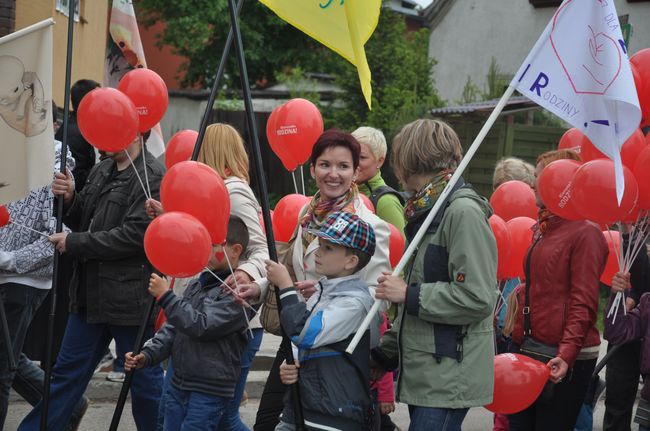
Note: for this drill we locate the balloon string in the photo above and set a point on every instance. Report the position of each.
(302, 178)
(295, 184)
(137, 174)
(248, 321)
(246, 304)
(28, 228)
(144, 164)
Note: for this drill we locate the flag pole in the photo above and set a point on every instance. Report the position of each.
(415, 242)
(261, 180)
(49, 339)
(215, 87)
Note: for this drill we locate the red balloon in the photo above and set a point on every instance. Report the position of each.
(149, 94)
(642, 175)
(180, 147)
(285, 216)
(177, 244)
(292, 130)
(518, 381)
(640, 63)
(503, 238)
(514, 199)
(594, 192)
(196, 189)
(262, 221)
(613, 239)
(629, 152)
(5, 217)
(554, 188)
(521, 236)
(367, 202)
(396, 244)
(107, 119)
(572, 140)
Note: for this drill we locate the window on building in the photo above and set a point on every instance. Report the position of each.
(63, 6)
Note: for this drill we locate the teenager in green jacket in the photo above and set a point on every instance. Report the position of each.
(442, 340)
(388, 205)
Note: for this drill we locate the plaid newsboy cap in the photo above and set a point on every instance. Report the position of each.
(348, 230)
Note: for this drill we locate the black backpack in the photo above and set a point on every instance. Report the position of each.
(380, 191)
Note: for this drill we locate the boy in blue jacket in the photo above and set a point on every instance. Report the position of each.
(205, 334)
(333, 385)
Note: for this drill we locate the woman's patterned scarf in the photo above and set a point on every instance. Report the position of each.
(424, 200)
(545, 219)
(319, 209)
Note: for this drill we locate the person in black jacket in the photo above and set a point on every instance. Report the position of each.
(108, 290)
(82, 151)
(205, 334)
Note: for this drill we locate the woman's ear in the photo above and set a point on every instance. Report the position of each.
(311, 170)
(380, 162)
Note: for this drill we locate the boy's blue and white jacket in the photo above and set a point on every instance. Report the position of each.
(334, 385)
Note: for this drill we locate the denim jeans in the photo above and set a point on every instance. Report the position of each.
(231, 420)
(83, 347)
(192, 411)
(20, 303)
(436, 419)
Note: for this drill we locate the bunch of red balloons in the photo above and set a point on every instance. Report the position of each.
(110, 119)
(197, 209)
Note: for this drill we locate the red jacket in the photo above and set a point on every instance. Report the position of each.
(565, 267)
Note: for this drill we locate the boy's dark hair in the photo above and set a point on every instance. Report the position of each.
(79, 89)
(237, 233)
(364, 258)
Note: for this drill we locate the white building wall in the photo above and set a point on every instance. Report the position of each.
(473, 31)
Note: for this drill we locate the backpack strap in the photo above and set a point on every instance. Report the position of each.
(382, 190)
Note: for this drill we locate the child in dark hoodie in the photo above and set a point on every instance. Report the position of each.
(205, 334)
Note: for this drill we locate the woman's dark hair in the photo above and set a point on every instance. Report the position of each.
(336, 138)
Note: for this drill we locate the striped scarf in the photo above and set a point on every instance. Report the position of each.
(319, 209)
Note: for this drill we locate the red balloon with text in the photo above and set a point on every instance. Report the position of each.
(149, 94)
(555, 188)
(292, 130)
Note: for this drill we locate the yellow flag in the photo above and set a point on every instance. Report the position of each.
(343, 26)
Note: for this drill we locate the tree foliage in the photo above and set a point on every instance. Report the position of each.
(197, 30)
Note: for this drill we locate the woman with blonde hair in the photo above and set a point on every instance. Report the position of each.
(513, 168)
(223, 150)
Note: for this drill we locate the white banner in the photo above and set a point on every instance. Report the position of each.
(26, 126)
(579, 70)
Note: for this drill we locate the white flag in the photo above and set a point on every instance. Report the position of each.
(579, 70)
(26, 126)
(124, 53)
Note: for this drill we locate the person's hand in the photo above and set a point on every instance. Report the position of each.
(58, 239)
(133, 361)
(392, 288)
(289, 373)
(153, 208)
(630, 303)
(63, 186)
(558, 368)
(621, 282)
(386, 408)
(250, 292)
(278, 274)
(306, 288)
(239, 278)
(157, 285)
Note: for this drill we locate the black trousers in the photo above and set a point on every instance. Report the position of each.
(561, 411)
(622, 381)
(272, 401)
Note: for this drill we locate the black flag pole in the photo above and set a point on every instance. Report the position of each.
(49, 339)
(215, 86)
(264, 197)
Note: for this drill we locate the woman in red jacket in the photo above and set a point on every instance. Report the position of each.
(563, 267)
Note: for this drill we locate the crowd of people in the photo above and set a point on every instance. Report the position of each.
(431, 346)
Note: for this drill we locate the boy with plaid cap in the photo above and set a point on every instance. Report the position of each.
(333, 385)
